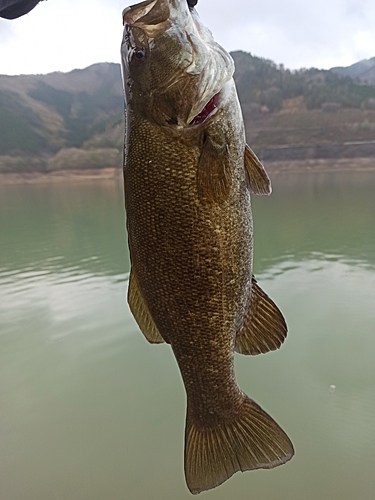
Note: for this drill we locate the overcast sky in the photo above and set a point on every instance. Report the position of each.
(60, 35)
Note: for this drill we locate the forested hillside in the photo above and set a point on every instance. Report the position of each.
(48, 119)
(304, 107)
(261, 81)
(364, 70)
(75, 119)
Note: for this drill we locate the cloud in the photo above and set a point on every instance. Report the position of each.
(296, 33)
(6, 31)
(62, 35)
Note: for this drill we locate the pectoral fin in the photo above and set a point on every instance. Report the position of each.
(259, 182)
(264, 327)
(214, 177)
(141, 313)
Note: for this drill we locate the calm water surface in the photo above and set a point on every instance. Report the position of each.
(90, 411)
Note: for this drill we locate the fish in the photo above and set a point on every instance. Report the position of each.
(188, 175)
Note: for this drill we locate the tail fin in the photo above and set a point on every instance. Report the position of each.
(252, 441)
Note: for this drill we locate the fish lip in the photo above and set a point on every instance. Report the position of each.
(152, 17)
(128, 18)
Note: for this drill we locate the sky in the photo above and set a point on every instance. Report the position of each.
(61, 35)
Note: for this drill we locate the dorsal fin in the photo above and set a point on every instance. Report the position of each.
(259, 182)
(264, 328)
(214, 177)
(141, 313)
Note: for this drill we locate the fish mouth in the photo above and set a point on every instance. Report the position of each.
(207, 111)
(151, 16)
(133, 13)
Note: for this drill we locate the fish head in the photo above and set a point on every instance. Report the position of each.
(172, 67)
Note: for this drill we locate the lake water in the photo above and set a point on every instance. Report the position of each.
(90, 411)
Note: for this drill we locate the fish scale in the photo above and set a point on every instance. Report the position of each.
(187, 186)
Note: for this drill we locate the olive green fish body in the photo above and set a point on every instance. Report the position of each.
(188, 174)
(192, 257)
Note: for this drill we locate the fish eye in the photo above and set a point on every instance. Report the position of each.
(138, 56)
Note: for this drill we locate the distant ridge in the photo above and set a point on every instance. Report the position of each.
(42, 113)
(75, 119)
(363, 70)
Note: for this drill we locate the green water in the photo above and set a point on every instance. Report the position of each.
(90, 411)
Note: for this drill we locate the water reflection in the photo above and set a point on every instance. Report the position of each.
(323, 214)
(90, 411)
(75, 228)
(81, 228)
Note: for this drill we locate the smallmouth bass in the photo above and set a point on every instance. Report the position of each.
(188, 174)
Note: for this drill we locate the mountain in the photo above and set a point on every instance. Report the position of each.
(301, 108)
(261, 81)
(75, 119)
(42, 114)
(363, 70)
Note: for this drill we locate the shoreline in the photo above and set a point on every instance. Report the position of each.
(326, 165)
(68, 175)
(114, 174)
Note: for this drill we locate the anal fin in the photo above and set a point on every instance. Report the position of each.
(264, 328)
(251, 440)
(141, 313)
(259, 182)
